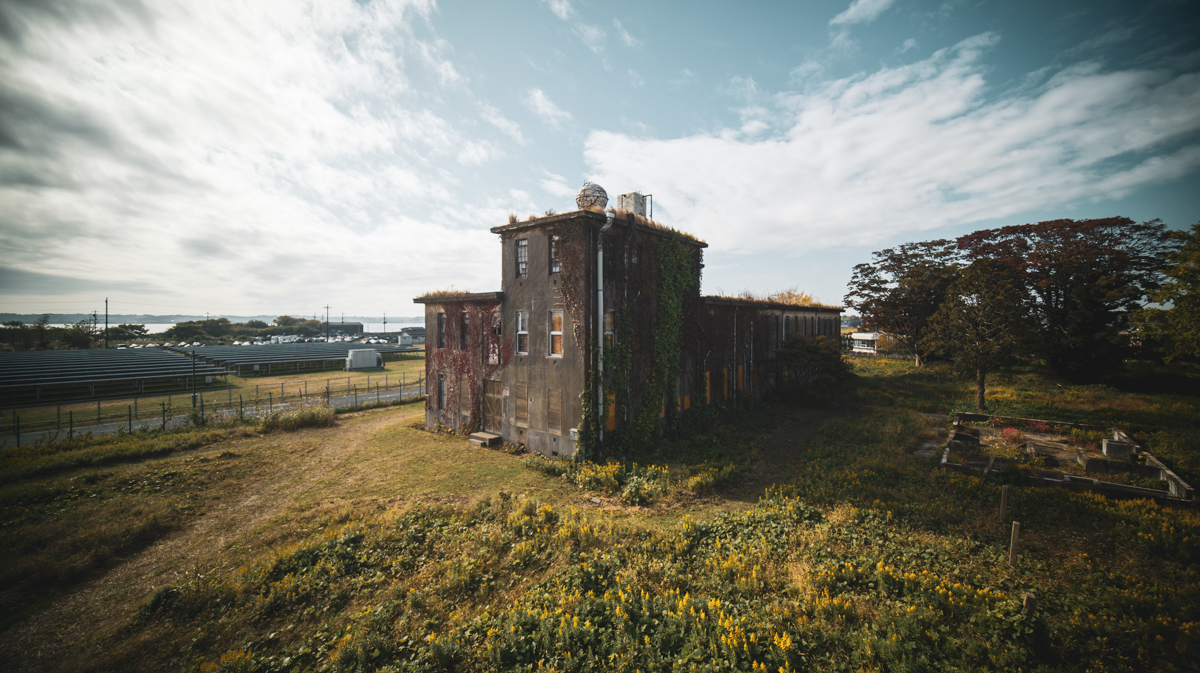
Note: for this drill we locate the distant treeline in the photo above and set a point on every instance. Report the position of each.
(41, 334)
(142, 318)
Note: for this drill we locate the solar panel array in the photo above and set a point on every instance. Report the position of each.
(279, 358)
(31, 377)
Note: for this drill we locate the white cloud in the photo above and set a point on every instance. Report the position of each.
(635, 78)
(629, 40)
(908, 44)
(561, 8)
(593, 36)
(912, 148)
(542, 106)
(231, 151)
(509, 127)
(861, 11)
(556, 185)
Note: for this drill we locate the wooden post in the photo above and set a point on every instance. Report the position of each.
(1012, 545)
(17, 424)
(129, 408)
(97, 412)
(270, 400)
(70, 423)
(1003, 502)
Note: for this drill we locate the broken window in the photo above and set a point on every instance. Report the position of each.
(493, 344)
(441, 330)
(522, 332)
(522, 258)
(555, 262)
(556, 333)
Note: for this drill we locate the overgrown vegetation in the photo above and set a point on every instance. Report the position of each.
(864, 557)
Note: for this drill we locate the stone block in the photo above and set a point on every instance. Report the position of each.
(1117, 449)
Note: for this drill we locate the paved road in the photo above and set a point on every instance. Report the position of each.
(181, 420)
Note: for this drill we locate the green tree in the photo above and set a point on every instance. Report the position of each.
(1089, 277)
(126, 332)
(812, 367)
(287, 321)
(901, 288)
(1177, 328)
(984, 322)
(79, 335)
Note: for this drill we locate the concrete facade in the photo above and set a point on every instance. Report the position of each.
(517, 362)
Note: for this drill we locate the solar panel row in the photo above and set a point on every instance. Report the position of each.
(247, 360)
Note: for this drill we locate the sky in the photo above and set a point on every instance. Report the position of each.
(274, 157)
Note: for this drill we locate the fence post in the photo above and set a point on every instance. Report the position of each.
(58, 417)
(71, 424)
(241, 409)
(17, 423)
(1012, 545)
(282, 393)
(1003, 502)
(164, 409)
(135, 412)
(326, 391)
(97, 412)
(306, 389)
(270, 401)
(129, 408)
(355, 393)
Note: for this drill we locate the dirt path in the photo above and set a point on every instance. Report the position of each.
(96, 610)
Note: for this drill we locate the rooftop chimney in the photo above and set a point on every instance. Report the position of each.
(632, 202)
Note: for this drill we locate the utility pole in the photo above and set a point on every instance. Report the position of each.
(327, 323)
(193, 378)
(385, 324)
(106, 323)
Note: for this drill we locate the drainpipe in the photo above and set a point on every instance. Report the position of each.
(600, 325)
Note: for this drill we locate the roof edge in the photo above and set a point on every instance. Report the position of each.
(450, 297)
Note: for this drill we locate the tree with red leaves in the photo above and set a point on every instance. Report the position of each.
(1088, 278)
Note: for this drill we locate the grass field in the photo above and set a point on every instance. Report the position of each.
(373, 545)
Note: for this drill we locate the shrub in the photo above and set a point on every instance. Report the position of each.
(294, 418)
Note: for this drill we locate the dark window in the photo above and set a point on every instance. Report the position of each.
(609, 325)
(441, 330)
(555, 263)
(463, 331)
(441, 391)
(522, 258)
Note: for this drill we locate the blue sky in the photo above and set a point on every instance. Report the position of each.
(275, 157)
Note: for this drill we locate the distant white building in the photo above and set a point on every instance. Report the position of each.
(404, 340)
(865, 342)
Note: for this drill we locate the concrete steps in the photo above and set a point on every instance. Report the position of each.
(483, 438)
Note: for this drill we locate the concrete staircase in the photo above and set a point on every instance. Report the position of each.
(483, 439)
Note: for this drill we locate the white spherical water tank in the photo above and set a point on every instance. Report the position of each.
(591, 195)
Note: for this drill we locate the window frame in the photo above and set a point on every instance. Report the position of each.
(522, 258)
(551, 332)
(522, 330)
(441, 329)
(464, 335)
(555, 258)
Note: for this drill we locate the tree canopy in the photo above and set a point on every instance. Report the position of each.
(901, 288)
(984, 322)
(1177, 327)
(1089, 277)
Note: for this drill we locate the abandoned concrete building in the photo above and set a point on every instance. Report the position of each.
(599, 336)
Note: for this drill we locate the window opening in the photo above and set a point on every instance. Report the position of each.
(609, 324)
(441, 391)
(441, 330)
(464, 323)
(522, 258)
(522, 332)
(555, 262)
(556, 333)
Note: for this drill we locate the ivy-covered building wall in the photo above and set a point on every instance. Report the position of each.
(552, 363)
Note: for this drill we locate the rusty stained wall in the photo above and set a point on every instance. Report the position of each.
(484, 354)
(541, 376)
